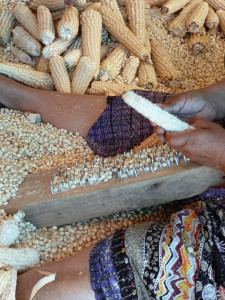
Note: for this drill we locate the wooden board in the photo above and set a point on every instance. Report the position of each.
(44, 209)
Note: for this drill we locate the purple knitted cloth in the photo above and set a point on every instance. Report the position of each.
(120, 128)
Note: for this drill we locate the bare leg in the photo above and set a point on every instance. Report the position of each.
(76, 113)
(72, 280)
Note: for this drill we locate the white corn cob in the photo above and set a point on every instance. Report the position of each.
(154, 113)
(68, 25)
(110, 88)
(7, 22)
(4, 280)
(221, 15)
(19, 258)
(56, 48)
(59, 74)
(25, 41)
(8, 278)
(130, 69)
(27, 19)
(9, 232)
(27, 75)
(72, 57)
(83, 75)
(91, 25)
(43, 65)
(197, 18)
(22, 56)
(172, 6)
(46, 27)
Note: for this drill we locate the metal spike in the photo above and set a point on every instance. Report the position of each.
(139, 155)
(144, 168)
(117, 174)
(80, 180)
(89, 180)
(69, 183)
(121, 174)
(177, 160)
(168, 160)
(105, 170)
(61, 187)
(185, 158)
(131, 152)
(118, 155)
(116, 162)
(65, 174)
(59, 170)
(122, 162)
(136, 172)
(152, 168)
(128, 171)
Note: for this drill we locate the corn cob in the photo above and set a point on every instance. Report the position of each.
(57, 15)
(147, 41)
(154, 113)
(162, 62)
(110, 88)
(25, 41)
(83, 75)
(217, 4)
(154, 31)
(112, 64)
(104, 51)
(76, 44)
(43, 65)
(124, 14)
(81, 5)
(212, 20)
(68, 26)
(19, 258)
(122, 33)
(59, 74)
(93, 6)
(22, 56)
(136, 18)
(46, 27)
(197, 18)
(221, 15)
(56, 48)
(27, 19)
(173, 6)
(151, 141)
(197, 41)
(27, 75)
(130, 69)
(178, 26)
(91, 25)
(114, 6)
(147, 76)
(120, 3)
(9, 232)
(4, 279)
(72, 57)
(8, 277)
(7, 22)
(51, 4)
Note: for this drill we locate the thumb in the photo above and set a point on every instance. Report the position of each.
(175, 103)
(201, 123)
(178, 139)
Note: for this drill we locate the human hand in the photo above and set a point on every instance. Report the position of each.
(205, 144)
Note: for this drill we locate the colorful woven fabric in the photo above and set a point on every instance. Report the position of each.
(120, 128)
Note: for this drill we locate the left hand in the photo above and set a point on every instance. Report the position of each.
(205, 144)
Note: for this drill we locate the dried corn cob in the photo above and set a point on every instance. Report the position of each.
(56, 48)
(68, 26)
(172, 6)
(72, 57)
(130, 69)
(46, 27)
(147, 41)
(59, 74)
(221, 15)
(217, 4)
(43, 65)
(91, 25)
(110, 88)
(4, 279)
(136, 17)
(114, 6)
(212, 20)
(9, 232)
(76, 44)
(27, 75)
(197, 18)
(22, 56)
(178, 26)
(57, 15)
(162, 62)
(81, 5)
(122, 33)
(83, 75)
(19, 258)
(104, 51)
(51, 4)
(25, 41)
(27, 19)
(151, 141)
(197, 41)
(124, 14)
(93, 6)
(8, 278)
(111, 66)
(147, 76)
(7, 22)
(154, 113)
(154, 31)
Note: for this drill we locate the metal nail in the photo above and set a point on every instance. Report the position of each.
(61, 187)
(168, 160)
(177, 160)
(144, 168)
(136, 172)
(65, 174)
(139, 155)
(185, 158)
(152, 168)
(128, 171)
(59, 170)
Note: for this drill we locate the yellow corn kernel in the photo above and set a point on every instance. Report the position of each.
(112, 64)
(22, 56)
(57, 15)
(178, 26)
(43, 65)
(68, 26)
(83, 75)
(91, 30)
(26, 75)
(217, 4)
(136, 18)
(197, 19)
(51, 4)
(72, 57)
(197, 41)
(130, 69)
(46, 27)
(162, 62)
(104, 51)
(7, 22)
(56, 48)
(151, 141)
(123, 34)
(27, 19)
(172, 6)
(212, 20)
(110, 88)
(114, 6)
(59, 74)
(221, 15)
(25, 41)
(147, 76)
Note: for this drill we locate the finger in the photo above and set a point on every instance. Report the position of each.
(175, 103)
(159, 130)
(161, 137)
(178, 139)
(153, 124)
(201, 123)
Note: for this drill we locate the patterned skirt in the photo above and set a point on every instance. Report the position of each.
(181, 259)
